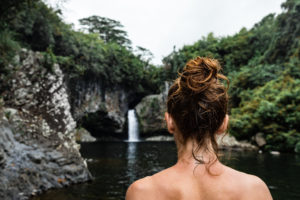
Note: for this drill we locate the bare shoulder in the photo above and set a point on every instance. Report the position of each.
(258, 189)
(141, 189)
(152, 187)
(250, 186)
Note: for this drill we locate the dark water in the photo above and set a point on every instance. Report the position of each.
(117, 164)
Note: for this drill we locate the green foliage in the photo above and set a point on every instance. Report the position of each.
(10, 8)
(262, 63)
(109, 30)
(49, 59)
(206, 47)
(7, 115)
(36, 25)
(285, 43)
(264, 69)
(8, 48)
(248, 78)
(272, 109)
(104, 54)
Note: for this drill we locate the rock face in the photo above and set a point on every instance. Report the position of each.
(37, 141)
(82, 135)
(41, 95)
(101, 112)
(150, 112)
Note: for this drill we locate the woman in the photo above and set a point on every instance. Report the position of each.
(196, 115)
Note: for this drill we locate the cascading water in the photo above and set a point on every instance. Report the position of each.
(133, 127)
(167, 87)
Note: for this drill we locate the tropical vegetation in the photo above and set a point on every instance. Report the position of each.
(262, 63)
(263, 66)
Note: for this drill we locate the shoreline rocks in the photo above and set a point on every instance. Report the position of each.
(225, 142)
(37, 131)
(161, 138)
(229, 142)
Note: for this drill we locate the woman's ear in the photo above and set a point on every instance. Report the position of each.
(224, 125)
(170, 123)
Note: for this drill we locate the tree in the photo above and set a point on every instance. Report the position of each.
(285, 43)
(10, 8)
(109, 30)
(144, 54)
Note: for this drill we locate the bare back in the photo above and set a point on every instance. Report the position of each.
(186, 182)
(196, 114)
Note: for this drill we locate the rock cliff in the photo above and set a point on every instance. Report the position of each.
(37, 141)
(101, 111)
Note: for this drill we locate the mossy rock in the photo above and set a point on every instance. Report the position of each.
(150, 114)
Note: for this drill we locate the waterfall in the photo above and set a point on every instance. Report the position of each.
(167, 87)
(133, 127)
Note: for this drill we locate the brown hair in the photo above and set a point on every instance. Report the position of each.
(197, 101)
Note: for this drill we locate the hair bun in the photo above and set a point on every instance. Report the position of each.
(197, 101)
(198, 74)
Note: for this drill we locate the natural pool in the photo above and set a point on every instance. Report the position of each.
(117, 164)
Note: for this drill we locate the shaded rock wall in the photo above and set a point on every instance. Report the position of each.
(37, 142)
(102, 112)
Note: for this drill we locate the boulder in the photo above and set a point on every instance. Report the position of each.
(150, 113)
(228, 141)
(260, 140)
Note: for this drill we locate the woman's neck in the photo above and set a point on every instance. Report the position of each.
(205, 157)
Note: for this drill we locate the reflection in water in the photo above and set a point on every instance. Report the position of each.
(131, 161)
(116, 165)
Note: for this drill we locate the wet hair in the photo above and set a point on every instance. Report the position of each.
(197, 102)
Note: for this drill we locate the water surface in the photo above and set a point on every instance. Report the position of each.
(117, 164)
